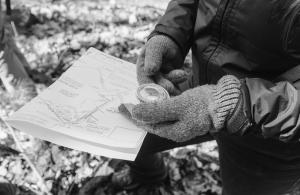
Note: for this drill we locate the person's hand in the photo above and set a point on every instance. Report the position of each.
(193, 113)
(160, 62)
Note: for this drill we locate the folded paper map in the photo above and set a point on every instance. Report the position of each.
(80, 109)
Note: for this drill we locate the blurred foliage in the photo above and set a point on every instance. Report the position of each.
(52, 34)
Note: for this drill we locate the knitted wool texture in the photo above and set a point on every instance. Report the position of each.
(161, 53)
(193, 113)
(225, 96)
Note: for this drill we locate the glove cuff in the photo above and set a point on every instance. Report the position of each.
(225, 96)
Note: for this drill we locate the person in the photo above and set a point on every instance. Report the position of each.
(7, 189)
(239, 95)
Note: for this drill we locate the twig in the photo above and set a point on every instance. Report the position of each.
(26, 158)
(13, 26)
(31, 189)
(207, 157)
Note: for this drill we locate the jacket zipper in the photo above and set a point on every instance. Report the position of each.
(219, 37)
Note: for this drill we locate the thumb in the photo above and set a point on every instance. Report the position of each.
(156, 112)
(166, 84)
(153, 58)
(142, 76)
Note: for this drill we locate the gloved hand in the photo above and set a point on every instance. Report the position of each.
(193, 113)
(160, 62)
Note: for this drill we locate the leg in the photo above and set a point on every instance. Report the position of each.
(7, 189)
(253, 165)
(149, 166)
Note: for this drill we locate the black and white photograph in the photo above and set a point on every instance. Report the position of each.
(150, 97)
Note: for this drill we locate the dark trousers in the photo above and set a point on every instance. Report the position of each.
(250, 165)
(8, 189)
(149, 166)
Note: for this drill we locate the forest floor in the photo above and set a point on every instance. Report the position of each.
(61, 32)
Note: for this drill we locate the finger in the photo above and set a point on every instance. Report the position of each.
(142, 77)
(156, 112)
(126, 110)
(177, 76)
(176, 131)
(166, 68)
(168, 85)
(175, 56)
(153, 59)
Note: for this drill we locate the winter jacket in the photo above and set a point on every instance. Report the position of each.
(246, 38)
(225, 39)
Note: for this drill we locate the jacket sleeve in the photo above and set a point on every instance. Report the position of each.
(274, 108)
(178, 22)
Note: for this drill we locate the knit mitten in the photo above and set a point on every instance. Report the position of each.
(195, 112)
(159, 62)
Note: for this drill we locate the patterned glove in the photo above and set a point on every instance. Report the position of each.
(160, 62)
(193, 113)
